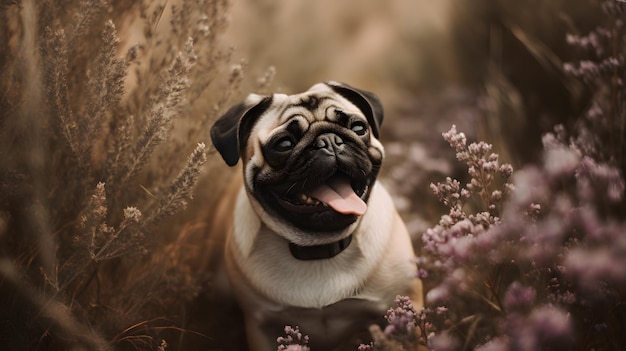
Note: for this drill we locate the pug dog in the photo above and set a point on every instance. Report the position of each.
(315, 240)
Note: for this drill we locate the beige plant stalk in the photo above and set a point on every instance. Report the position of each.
(102, 102)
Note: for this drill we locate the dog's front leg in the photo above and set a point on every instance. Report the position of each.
(258, 339)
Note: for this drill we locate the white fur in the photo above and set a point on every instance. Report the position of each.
(264, 259)
(327, 296)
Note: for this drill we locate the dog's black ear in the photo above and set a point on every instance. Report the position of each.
(365, 101)
(231, 131)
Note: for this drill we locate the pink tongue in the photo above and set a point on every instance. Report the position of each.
(338, 194)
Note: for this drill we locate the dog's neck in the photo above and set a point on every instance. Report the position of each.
(319, 252)
(266, 263)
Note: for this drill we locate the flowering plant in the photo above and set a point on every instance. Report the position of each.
(526, 260)
(293, 340)
(530, 274)
(535, 259)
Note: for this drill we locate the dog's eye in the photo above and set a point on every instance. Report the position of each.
(359, 128)
(283, 144)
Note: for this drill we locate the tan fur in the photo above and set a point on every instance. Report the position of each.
(271, 285)
(329, 299)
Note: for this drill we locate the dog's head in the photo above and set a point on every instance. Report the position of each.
(310, 160)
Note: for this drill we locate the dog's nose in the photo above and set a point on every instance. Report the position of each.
(329, 142)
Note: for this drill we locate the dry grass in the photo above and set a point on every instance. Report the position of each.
(100, 103)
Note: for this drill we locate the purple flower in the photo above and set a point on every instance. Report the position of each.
(545, 328)
(615, 7)
(594, 268)
(530, 187)
(495, 344)
(519, 298)
(550, 226)
(366, 347)
(551, 326)
(456, 281)
(442, 342)
(560, 161)
(293, 341)
(402, 318)
(608, 178)
(422, 273)
(457, 140)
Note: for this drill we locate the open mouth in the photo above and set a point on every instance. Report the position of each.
(338, 193)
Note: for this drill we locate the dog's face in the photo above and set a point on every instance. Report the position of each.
(310, 160)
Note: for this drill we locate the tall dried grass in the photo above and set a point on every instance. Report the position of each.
(100, 101)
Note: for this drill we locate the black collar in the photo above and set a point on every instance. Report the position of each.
(319, 252)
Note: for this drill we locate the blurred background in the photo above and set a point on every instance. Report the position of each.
(492, 67)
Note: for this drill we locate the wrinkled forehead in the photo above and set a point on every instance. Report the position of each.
(319, 103)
